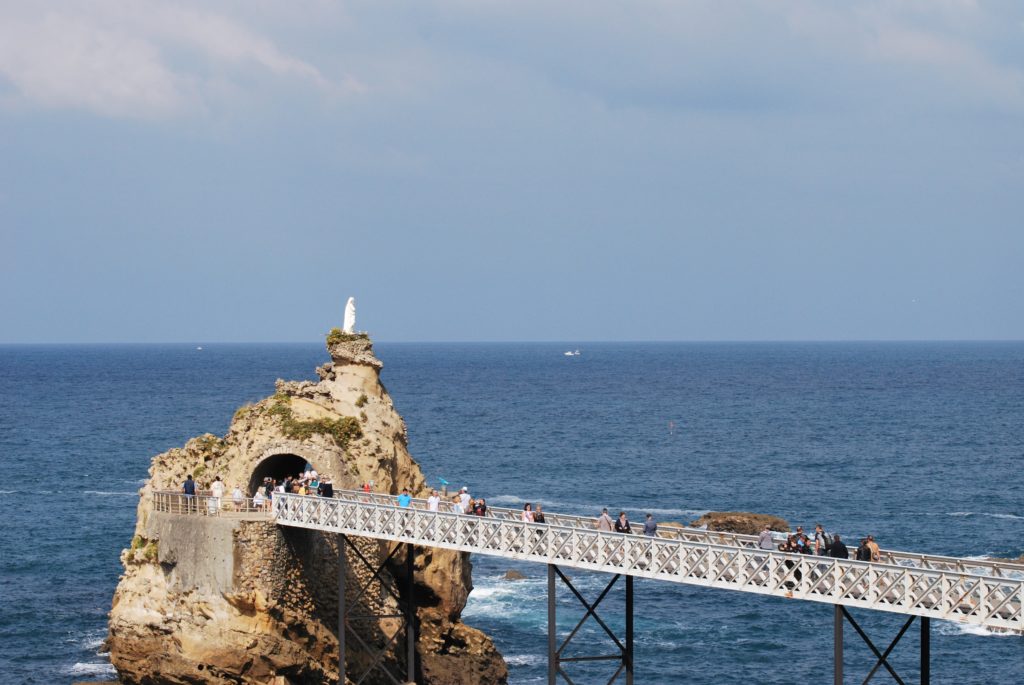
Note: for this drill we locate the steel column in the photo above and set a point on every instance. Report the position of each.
(628, 656)
(837, 645)
(624, 652)
(926, 650)
(341, 608)
(552, 628)
(410, 615)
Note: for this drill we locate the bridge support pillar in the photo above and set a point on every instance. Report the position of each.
(556, 652)
(882, 658)
(378, 598)
(926, 650)
(837, 645)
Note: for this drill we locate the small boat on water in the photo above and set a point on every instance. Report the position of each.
(572, 353)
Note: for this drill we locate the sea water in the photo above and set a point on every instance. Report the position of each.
(921, 444)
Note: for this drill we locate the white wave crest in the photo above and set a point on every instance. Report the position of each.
(994, 515)
(7, 492)
(525, 659)
(951, 628)
(92, 669)
(105, 493)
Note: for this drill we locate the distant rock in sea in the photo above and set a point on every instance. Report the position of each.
(742, 522)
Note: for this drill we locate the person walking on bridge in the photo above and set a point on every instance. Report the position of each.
(528, 513)
(764, 540)
(876, 553)
(822, 541)
(434, 501)
(650, 526)
(404, 499)
(622, 524)
(604, 521)
(538, 514)
(838, 549)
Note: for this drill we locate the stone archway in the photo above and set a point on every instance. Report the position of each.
(289, 457)
(277, 466)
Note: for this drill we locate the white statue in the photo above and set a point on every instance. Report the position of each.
(350, 316)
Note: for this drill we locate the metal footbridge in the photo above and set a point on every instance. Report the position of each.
(984, 593)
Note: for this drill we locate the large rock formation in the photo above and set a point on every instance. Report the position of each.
(234, 599)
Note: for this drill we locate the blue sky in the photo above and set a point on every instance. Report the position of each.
(750, 170)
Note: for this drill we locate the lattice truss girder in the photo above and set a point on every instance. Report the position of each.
(989, 601)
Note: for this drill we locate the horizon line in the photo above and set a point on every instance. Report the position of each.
(571, 342)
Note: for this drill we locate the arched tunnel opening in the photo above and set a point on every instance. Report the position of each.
(278, 467)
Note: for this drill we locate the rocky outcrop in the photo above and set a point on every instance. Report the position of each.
(741, 522)
(235, 599)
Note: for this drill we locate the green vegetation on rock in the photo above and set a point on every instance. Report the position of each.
(243, 412)
(341, 430)
(336, 335)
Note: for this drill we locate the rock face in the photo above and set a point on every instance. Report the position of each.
(741, 522)
(234, 600)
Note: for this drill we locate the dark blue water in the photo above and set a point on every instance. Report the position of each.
(920, 444)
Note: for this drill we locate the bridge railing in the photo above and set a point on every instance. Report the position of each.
(983, 567)
(945, 594)
(177, 502)
(205, 504)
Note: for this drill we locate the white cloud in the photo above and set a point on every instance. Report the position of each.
(155, 58)
(138, 59)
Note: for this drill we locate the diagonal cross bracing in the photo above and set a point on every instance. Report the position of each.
(989, 601)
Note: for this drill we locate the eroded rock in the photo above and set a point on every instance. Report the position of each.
(226, 600)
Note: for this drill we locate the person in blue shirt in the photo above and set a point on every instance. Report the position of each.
(404, 498)
(189, 488)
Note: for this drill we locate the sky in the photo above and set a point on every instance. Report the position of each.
(517, 171)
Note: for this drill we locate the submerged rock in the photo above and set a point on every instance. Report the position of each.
(513, 574)
(233, 599)
(741, 522)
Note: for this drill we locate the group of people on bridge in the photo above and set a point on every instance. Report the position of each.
(310, 483)
(823, 545)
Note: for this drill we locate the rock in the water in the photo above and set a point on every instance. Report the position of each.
(513, 574)
(740, 522)
(238, 600)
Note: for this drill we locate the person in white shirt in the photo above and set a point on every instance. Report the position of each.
(217, 490)
(238, 497)
(434, 501)
(464, 499)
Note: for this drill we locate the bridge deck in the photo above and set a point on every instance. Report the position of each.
(981, 592)
(987, 594)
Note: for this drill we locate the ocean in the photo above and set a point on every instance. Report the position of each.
(921, 444)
